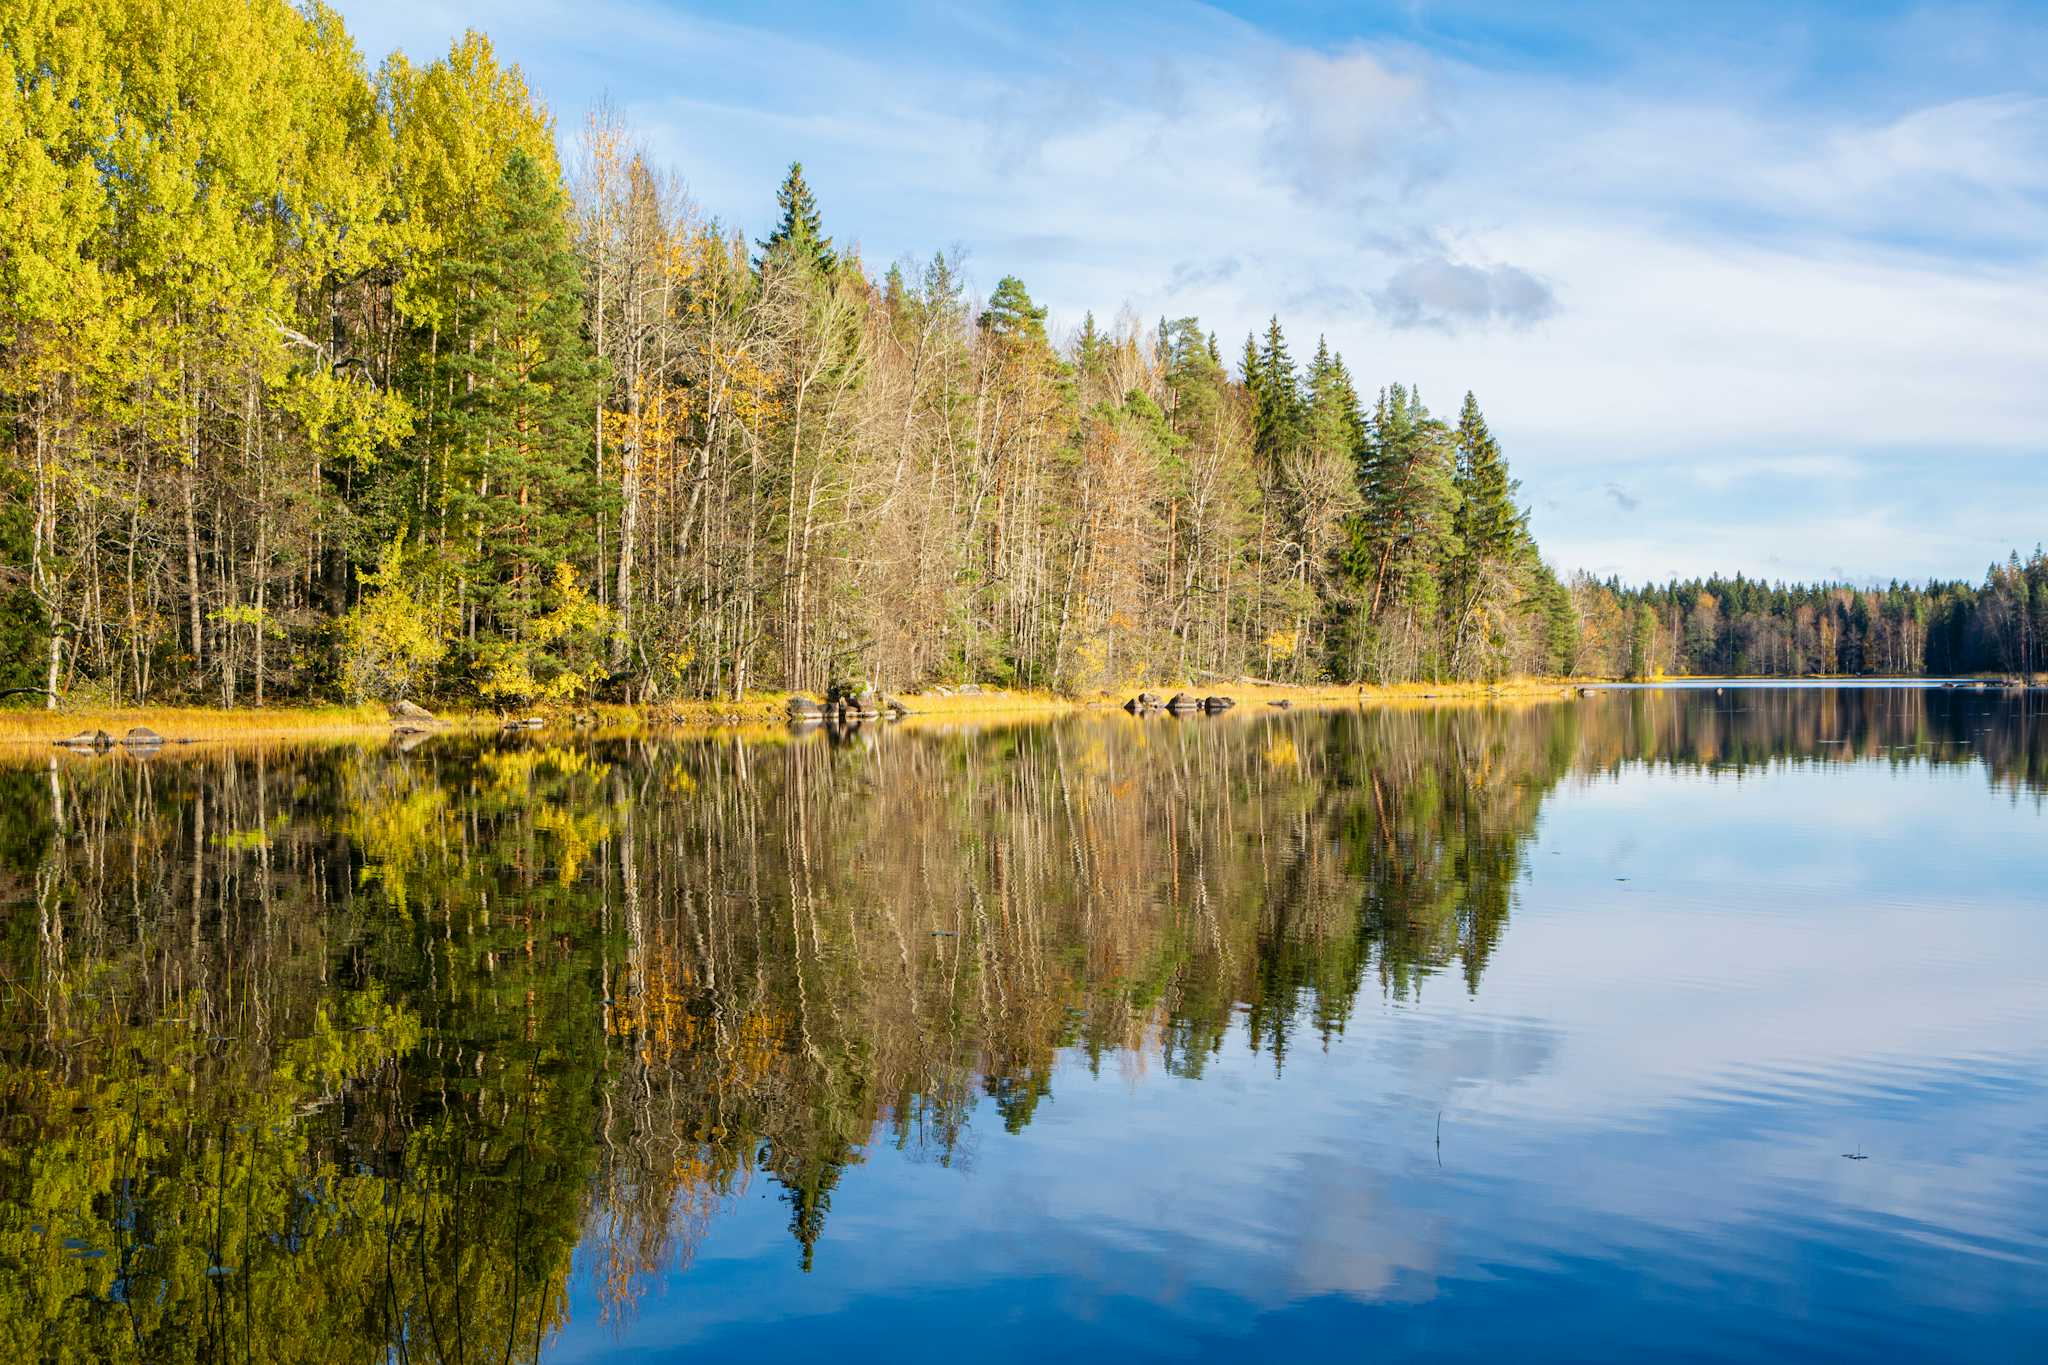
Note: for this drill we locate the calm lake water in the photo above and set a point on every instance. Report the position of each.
(1672, 1024)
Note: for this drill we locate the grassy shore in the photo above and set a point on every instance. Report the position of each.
(206, 724)
(209, 725)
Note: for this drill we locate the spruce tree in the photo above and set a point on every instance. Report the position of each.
(1091, 352)
(1491, 547)
(1276, 399)
(1489, 524)
(800, 235)
(1248, 368)
(1405, 534)
(523, 383)
(1333, 421)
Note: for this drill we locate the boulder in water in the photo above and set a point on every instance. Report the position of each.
(405, 710)
(88, 739)
(142, 737)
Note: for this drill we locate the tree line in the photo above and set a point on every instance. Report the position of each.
(322, 381)
(318, 380)
(1742, 626)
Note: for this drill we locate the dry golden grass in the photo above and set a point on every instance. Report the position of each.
(202, 724)
(759, 715)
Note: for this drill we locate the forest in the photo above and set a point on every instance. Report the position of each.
(319, 381)
(1740, 626)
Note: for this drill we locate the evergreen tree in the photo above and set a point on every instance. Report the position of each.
(1012, 315)
(1333, 421)
(893, 292)
(1276, 397)
(1484, 584)
(524, 381)
(1490, 526)
(1404, 536)
(799, 235)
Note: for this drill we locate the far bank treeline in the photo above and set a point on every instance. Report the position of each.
(1745, 626)
(323, 382)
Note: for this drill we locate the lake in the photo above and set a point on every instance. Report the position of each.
(1686, 1023)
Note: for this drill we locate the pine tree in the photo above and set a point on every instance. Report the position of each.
(1012, 315)
(800, 235)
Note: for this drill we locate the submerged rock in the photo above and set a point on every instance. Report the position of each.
(87, 739)
(142, 736)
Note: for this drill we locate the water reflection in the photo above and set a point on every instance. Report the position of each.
(342, 1053)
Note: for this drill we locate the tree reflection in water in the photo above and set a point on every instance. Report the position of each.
(337, 1053)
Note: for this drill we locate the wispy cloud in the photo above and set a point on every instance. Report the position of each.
(1198, 274)
(1348, 127)
(1450, 295)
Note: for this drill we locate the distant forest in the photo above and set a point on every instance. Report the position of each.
(318, 381)
(1745, 626)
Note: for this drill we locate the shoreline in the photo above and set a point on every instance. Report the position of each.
(26, 728)
(181, 725)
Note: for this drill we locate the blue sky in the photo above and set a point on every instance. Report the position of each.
(1740, 287)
